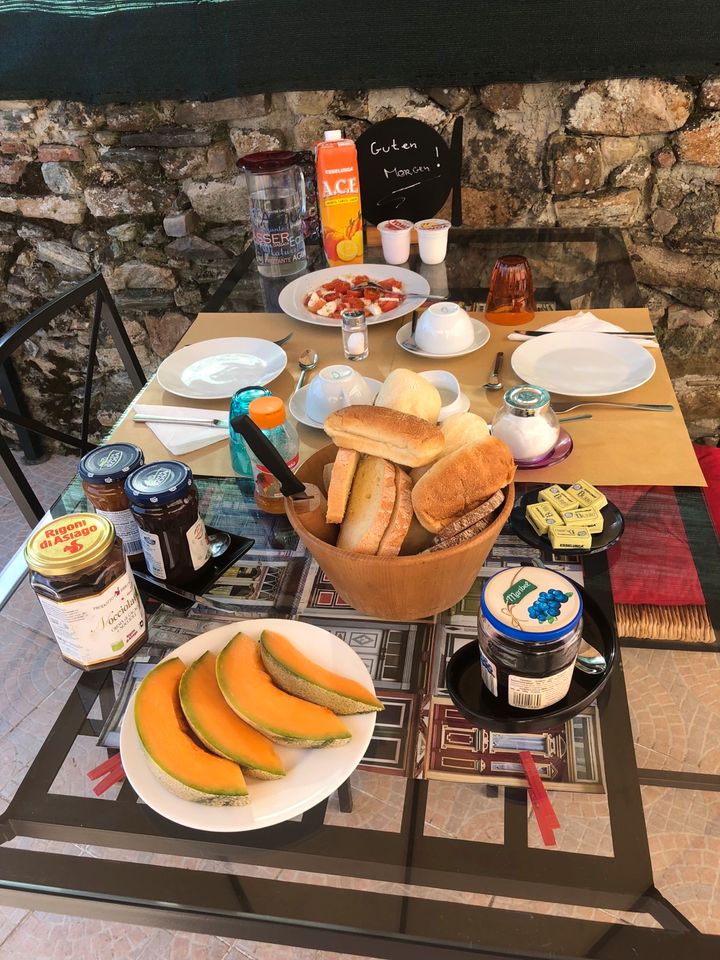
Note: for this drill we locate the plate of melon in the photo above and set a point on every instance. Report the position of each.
(248, 725)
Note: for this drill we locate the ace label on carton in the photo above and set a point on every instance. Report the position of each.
(339, 199)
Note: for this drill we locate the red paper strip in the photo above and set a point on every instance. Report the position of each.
(545, 815)
(105, 767)
(100, 788)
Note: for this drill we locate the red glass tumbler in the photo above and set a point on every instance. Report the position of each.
(511, 297)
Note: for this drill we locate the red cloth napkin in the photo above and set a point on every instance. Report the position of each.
(652, 564)
(709, 460)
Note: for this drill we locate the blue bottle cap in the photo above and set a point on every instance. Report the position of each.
(108, 464)
(157, 483)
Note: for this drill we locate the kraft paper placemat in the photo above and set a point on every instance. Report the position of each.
(615, 448)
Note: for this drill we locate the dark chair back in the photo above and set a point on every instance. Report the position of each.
(14, 411)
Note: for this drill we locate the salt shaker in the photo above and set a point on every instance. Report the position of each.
(354, 334)
(527, 423)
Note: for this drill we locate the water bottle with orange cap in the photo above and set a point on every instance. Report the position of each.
(268, 413)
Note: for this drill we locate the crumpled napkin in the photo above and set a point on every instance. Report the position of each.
(585, 321)
(182, 438)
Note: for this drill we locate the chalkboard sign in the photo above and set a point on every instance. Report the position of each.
(406, 170)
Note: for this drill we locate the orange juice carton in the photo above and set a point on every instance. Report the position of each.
(339, 199)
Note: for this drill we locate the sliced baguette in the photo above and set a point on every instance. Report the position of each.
(401, 517)
(370, 506)
(341, 478)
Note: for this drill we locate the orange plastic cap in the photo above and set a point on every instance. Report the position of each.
(267, 412)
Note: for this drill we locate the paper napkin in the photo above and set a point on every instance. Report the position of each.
(182, 438)
(585, 321)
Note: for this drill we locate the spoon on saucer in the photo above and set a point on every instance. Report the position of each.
(307, 360)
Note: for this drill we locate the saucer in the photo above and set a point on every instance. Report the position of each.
(614, 524)
(298, 401)
(481, 335)
(561, 451)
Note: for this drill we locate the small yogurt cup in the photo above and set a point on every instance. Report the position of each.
(432, 239)
(395, 237)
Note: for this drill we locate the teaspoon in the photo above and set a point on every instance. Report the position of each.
(307, 360)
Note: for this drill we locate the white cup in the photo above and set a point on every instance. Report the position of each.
(395, 237)
(444, 328)
(333, 388)
(432, 239)
(449, 389)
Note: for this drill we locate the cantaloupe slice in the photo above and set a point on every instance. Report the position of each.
(294, 672)
(219, 728)
(177, 760)
(249, 690)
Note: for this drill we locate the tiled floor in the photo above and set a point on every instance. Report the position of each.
(675, 713)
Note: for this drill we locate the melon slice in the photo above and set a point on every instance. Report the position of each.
(294, 672)
(176, 759)
(221, 730)
(249, 690)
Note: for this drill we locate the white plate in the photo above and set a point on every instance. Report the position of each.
(298, 401)
(311, 775)
(215, 369)
(583, 364)
(291, 299)
(481, 337)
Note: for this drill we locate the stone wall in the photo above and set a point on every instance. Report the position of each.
(149, 193)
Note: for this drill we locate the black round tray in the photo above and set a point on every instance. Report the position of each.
(463, 680)
(612, 529)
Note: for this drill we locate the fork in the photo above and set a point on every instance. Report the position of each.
(283, 340)
(657, 407)
(406, 293)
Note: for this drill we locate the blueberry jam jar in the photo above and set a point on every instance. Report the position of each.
(529, 631)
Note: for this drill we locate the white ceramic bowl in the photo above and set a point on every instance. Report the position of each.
(449, 389)
(335, 387)
(444, 328)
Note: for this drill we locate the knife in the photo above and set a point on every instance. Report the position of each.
(269, 457)
(605, 333)
(158, 589)
(158, 418)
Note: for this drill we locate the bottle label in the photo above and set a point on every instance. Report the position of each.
(153, 554)
(198, 543)
(125, 527)
(489, 673)
(534, 693)
(98, 628)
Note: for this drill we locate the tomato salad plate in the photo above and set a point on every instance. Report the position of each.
(176, 741)
(321, 296)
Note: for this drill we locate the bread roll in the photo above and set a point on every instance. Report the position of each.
(462, 428)
(401, 517)
(370, 506)
(381, 432)
(461, 481)
(341, 478)
(408, 392)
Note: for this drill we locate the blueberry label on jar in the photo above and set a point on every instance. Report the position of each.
(547, 606)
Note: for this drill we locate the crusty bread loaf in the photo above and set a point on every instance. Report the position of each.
(462, 428)
(401, 517)
(469, 533)
(469, 519)
(341, 478)
(408, 392)
(381, 432)
(370, 506)
(461, 481)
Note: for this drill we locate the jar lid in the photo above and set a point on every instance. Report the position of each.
(159, 482)
(69, 544)
(267, 412)
(108, 464)
(527, 400)
(531, 604)
(268, 161)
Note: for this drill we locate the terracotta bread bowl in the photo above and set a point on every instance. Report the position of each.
(396, 588)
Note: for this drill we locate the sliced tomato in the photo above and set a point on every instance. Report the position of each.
(388, 303)
(360, 278)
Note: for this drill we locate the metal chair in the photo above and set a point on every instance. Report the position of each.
(14, 411)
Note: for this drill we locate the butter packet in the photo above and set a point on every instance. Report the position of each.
(583, 517)
(540, 516)
(570, 538)
(559, 499)
(587, 495)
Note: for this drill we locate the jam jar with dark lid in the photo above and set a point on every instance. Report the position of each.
(164, 502)
(529, 630)
(87, 590)
(103, 472)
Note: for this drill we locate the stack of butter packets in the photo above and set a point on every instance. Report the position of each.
(568, 517)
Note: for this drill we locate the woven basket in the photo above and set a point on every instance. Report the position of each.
(396, 588)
